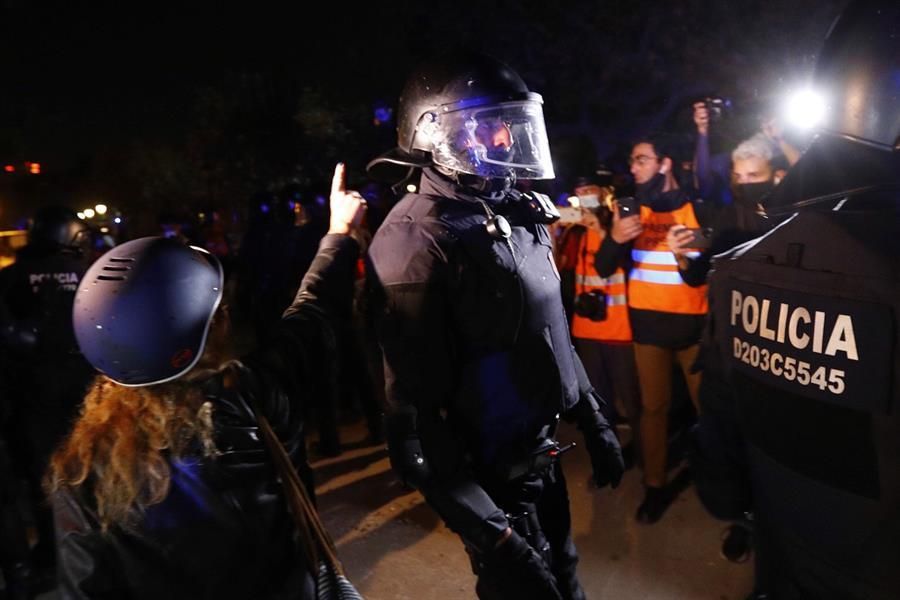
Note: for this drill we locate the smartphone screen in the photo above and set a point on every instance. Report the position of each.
(628, 207)
(702, 237)
(569, 214)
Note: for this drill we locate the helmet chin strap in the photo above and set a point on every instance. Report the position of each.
(493, 188)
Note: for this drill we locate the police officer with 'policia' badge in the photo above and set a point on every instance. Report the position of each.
(806, 319)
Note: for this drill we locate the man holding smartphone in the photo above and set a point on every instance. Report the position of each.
(666, 314)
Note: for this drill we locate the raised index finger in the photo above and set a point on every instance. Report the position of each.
(338, 181)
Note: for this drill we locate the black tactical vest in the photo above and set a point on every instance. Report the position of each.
(805, 320)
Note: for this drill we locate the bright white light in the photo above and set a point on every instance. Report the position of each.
(104, 230)
(80, 215)
(411, 188)
(574, 201)
(117, 220)
(805, 109)
(101, 209)
(89, 213)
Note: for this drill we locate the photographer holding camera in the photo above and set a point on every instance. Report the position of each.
(601, 330)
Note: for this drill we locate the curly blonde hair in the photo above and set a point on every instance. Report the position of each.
(124, 441)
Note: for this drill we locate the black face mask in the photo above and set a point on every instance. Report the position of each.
(750, 195)
(651, 189)
(490, 189)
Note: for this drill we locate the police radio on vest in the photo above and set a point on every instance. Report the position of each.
(796, 325)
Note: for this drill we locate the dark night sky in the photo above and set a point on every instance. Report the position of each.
(80, 85)
(80, 81)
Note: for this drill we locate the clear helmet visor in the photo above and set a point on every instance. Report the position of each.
(491, 141)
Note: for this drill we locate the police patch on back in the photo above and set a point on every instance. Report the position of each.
(831, 349)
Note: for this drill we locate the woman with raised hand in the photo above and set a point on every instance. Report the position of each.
(165, 488)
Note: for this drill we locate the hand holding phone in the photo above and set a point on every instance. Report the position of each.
(628, 207)
(702, 237)
(569, 215)
(626, 224)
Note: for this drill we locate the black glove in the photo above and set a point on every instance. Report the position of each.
(515, 570)
(601, 442)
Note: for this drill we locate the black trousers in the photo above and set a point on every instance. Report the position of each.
(538, 509)
(611, 369)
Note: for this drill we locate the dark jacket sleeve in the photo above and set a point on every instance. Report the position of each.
(408, 283)
(726, 235)
(85, 569)
(697, 270)
(327, 286)
(711, 174)
(300, 360)
(611, 256)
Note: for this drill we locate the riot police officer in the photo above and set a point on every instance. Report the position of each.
(805, 320)
(478, 360)
(44, 375)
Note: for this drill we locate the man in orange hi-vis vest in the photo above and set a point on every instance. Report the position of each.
(666, 315)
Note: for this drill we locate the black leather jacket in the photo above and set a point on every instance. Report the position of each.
(223, 531)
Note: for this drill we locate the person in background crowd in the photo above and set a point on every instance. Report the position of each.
(666, 314)
(44, 374)
(601, 331)
(753, 179)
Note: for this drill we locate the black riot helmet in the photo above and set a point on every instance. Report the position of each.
(58, 228)
(471, 114)
(858, 146)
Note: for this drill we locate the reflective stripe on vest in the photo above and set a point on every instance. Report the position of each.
(616, 327)
(653, 257)
(654, 282)
(617, 300)
(597, 281)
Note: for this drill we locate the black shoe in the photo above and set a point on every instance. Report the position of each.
(737, 543)
(655, 503)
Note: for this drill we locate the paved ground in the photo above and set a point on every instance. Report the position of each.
(395, 548)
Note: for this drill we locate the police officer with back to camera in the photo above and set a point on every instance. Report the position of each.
(479, 364)
(44, 375)
(806, 318)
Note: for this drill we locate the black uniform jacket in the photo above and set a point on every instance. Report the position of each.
(223, 531)
(475, 337)
(44, 376)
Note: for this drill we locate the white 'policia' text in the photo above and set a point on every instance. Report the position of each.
(798, 326)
